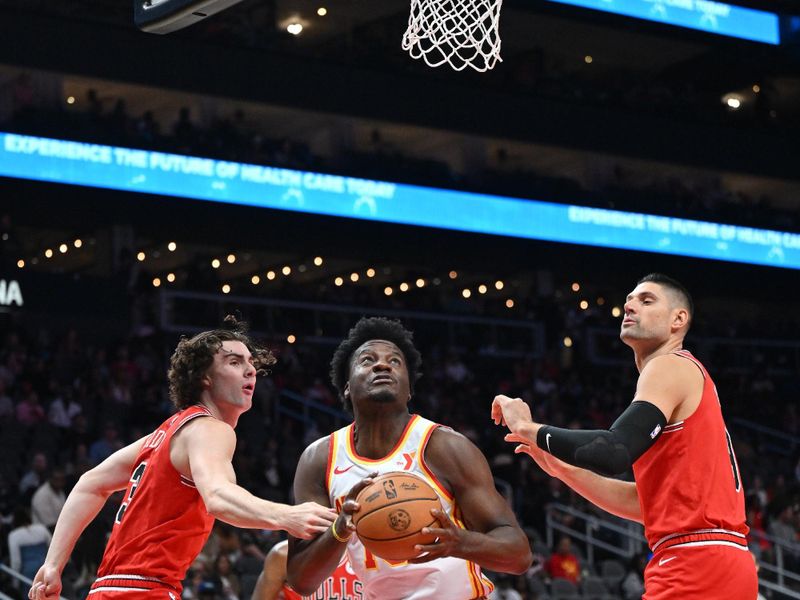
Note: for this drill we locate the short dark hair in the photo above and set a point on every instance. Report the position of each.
(374, 328)
(673, 285)
(193, 357)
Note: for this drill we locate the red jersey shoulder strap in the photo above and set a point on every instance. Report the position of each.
(689, 356)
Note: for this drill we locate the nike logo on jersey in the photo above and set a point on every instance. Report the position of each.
(338, 471)
(664, 561)
(547, 441)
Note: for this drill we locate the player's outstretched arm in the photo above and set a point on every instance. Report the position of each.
(209, 446)
(270, 582)
(84, 502)
(492, 537)
(617, 497)
(311, 561)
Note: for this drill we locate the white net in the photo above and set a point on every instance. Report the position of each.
(462, 33)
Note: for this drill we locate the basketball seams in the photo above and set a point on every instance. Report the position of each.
(436, 498)
(394, 539)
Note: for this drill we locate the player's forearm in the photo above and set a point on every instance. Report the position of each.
(617, 497)
(310, 562)
(503, 549)
(236, 506)
(79, 510)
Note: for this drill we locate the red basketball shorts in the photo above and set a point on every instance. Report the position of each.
(711, 572)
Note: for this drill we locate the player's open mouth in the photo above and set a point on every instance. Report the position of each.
(249, 388)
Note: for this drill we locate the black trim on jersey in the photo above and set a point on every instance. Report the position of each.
(607, 452)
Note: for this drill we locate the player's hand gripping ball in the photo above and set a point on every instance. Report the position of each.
(393, 510)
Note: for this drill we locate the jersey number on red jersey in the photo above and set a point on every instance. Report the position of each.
(136, 476)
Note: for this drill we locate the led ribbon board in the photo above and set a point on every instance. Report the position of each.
(703, 15)
(146, 172)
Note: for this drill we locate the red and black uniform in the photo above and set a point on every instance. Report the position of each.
(342, 584)
(160, 527)
(692, 505)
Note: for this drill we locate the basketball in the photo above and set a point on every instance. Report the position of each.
(393, 510)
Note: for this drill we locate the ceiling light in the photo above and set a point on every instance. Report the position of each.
(255, 280)
(588, 59)
(733, 101)
(156, 282)
(294, 28)
(226, 289)
(172, 246)
(353, 277)
(271, 275)
(482, 289)
(584, 305)
(568, 342)
(20, 263)
(231, 258)
(338, 282)
(287, 270)
(48, 253)
(404, 287)
(466, 293)
(322, 11)
(388, 290)
(215, 263)
(171, 277)
(63, 248)
(70, 99)
(77, 243)
(499, 285)
(318, 261)
(291, 338)
(509, 303)
(616, 311)
(576, 287)
(141, 256)
(370, 272)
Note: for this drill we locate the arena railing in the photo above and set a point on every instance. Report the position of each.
(594, 532)
(308, 411)
(588, 528)
(24, 582)
(768, 439)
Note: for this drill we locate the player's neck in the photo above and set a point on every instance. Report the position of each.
(224, 412)
(644, 353)
(376, 434)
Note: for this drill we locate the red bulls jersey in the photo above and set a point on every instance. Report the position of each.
(162, 523)
(342, 584)
(689, 486)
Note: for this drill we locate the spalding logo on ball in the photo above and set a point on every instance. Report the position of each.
(393, 510)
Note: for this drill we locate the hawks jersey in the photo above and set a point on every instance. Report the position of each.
(451, 578)
(342, 584)
(688, 482)
(162, 523)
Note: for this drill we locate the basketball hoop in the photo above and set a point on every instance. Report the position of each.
(462, 33)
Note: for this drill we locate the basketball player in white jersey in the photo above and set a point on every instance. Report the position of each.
(374, 369)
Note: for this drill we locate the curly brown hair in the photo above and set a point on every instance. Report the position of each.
(192, 358)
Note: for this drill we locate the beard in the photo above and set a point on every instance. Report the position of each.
(382, 396)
